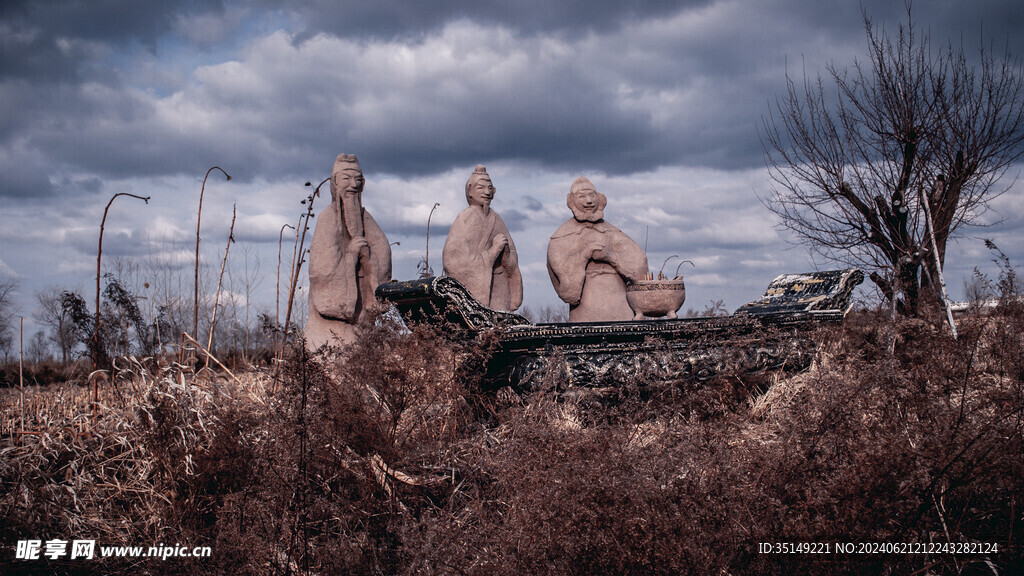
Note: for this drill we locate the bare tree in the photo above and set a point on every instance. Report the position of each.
(909, 134)
(546, 314)
(52, 314)
(166, 270)
(7, 314)
(38, 348)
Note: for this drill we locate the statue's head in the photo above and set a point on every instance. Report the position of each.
(346, 177)
(479, 189)
(586, 203)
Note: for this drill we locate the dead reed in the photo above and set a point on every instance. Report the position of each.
(112, 478)
(390, 459)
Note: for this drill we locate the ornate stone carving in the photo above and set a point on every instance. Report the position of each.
(656, 298)
(479, 251)
(430, 299)
(770, 333)
(590, 261)
(348, 258)
(812, 293)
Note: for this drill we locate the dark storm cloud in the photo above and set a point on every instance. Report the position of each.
(418, 87)
(53, 41)
(401, 18)
(23, 175)
(657, 102)
(562, 130)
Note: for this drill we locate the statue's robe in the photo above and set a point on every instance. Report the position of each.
(341, 285)
(496, 283)
(594, 288)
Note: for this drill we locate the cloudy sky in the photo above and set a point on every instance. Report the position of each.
(657, 102)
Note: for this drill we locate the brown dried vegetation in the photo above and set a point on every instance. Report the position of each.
(390, 459)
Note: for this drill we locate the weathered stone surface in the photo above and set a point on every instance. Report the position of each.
(758, 337)
(656, 298)
(443, 299)
(590, 261)
(348, 258)
(808, 293)
(479, 251)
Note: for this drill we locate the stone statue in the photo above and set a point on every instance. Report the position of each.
(348, 258)
(590, 261)
(479, 251)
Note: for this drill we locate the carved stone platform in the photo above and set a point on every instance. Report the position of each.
(769, 333)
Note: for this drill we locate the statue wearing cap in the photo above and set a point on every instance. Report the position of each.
(590, 261)
(479, 251)
(348, 258)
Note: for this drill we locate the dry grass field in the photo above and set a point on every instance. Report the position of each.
(391, 460)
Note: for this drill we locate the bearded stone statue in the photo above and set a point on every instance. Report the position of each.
(590, 261)
(348, 258)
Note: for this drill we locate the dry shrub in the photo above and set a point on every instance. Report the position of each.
(122, 479)
(389, 459)
(358, 444)
(40, 373)
(899, 434)
(604, 500)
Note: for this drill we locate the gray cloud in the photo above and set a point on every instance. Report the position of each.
(398, 19)
(657, 101)
(417, 88)
(56, 41)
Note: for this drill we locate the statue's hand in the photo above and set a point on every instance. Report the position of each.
(498, 245)
(596, 250)
(356, 245)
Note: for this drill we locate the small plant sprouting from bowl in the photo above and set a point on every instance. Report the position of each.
(661, 272)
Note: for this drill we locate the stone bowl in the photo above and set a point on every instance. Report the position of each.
(655, 298)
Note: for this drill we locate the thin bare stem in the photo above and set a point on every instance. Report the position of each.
(681, 265)
(297, 267)
(223, 264)
(199, 217)
(21, 369)
(938, 264)
(277, 305)
(661, 273)
(99, 256)
(427, 272)
(209, 357)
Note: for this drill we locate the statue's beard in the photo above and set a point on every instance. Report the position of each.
(583, 215)
(352, 213)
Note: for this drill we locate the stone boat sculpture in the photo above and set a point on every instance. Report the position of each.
(772, 332)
